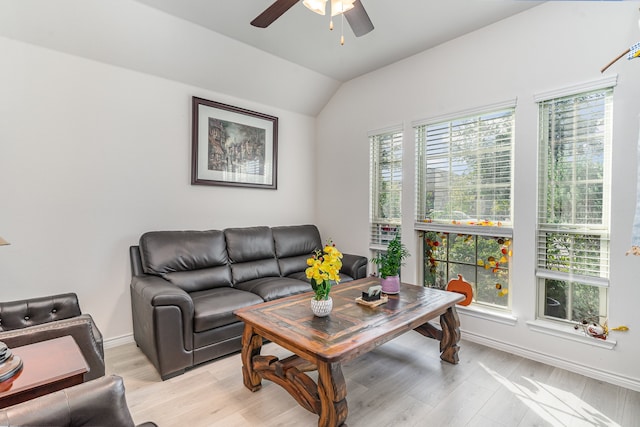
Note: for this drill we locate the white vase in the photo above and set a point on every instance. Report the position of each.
(321, 308)
(390, 284)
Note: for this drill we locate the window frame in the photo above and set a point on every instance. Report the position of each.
(488, 230)
(382, 230)
(598, 231)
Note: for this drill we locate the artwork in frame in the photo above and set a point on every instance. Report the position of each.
(233, 146)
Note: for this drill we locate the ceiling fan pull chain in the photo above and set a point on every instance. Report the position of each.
(342, 29)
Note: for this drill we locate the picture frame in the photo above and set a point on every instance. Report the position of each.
(233, 146)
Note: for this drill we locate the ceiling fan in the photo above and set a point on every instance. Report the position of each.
(356, 16)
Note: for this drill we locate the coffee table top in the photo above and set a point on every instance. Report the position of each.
(351, 329)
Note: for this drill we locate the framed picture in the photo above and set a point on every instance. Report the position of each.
(233, 146)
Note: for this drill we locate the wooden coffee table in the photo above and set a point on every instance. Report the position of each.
(322, 344)
(48, 366)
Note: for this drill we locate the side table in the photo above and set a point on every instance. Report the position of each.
(48, 366)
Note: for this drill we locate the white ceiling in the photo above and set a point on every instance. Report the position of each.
(402, 28)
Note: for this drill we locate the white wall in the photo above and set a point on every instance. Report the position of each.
(549, 47)
(93, 155)
(138, 37)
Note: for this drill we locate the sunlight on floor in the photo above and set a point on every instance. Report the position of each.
(556, 406)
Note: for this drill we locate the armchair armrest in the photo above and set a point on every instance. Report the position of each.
(83, 330)
(98, 402)
(354, 266)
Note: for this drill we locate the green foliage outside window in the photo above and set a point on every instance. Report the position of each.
(584, 301)
(483, 261)
(573, 241)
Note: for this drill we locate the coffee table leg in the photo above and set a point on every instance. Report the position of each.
(333, 395)
(251, 346)
(450, 324)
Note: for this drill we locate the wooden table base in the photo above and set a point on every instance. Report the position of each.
(323, 344)
(327, 398)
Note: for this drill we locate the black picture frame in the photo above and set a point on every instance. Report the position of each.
(233, 146)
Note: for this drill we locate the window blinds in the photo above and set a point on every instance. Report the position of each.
(574, 189)
(386, 186)
(464, 170)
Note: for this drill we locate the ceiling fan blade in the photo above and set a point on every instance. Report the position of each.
(358, 19)
(272, 13)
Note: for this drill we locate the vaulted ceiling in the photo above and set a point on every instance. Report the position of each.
(296, 63)
(402, 28)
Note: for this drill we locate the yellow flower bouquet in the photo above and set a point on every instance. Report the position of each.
(324, 268)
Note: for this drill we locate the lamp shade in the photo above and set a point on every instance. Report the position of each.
(341, 6)
(317, 6)
(3, 242)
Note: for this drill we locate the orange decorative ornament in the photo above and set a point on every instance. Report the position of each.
(463, 287)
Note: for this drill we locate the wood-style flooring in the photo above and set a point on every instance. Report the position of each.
(402, 383)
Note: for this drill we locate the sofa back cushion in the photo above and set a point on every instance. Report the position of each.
(191, 260)
(294, 244)
(251, 253)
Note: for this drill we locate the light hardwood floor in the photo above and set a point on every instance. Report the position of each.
(402, 383)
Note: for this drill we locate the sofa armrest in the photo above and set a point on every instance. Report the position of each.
(354, 266)
(154, 291)
(162, 323)
(98, 402)
(83, 330)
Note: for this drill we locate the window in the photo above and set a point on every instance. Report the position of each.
(482, 260)
(573, 206)
(464, 200)
(386, 186)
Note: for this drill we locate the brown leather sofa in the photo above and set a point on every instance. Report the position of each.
(33, 320)
(95, 403)
(187, 284)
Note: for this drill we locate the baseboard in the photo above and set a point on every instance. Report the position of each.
(587, 371)
(118, 341)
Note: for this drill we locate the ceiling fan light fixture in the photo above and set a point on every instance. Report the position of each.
(341, 6)
(317, 6)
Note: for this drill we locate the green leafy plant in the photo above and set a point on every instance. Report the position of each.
(389, 262)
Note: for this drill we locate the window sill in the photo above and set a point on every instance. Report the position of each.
(568, 332)
(491, 315)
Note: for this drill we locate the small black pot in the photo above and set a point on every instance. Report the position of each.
(366, 297)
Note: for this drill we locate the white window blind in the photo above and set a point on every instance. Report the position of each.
(386, 186)
(464, 170)
(573, 203)
(464, 187)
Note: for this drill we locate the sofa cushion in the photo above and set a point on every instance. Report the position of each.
(192, 260)
(301, 275)
(292, 265)
(270, 288)
(214, 307)
(296, 240)
(251, 253)
(293, 245)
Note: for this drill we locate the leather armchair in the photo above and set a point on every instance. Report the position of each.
(38, 319)
(95, 403)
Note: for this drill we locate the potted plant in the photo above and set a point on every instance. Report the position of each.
(389, 264)
(323, 271)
